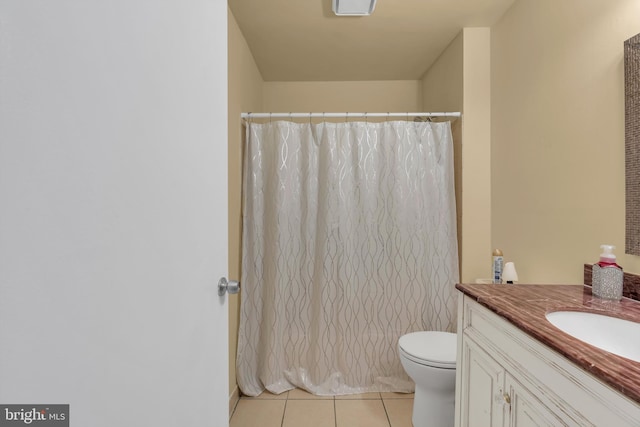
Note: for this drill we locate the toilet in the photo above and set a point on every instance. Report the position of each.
(429, 358)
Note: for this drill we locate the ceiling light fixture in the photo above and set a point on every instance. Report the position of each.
(353, 7)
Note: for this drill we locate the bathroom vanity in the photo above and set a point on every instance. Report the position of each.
(515, 368)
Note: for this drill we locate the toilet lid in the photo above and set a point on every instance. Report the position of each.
(431, 348)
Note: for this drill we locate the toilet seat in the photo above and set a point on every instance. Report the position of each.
(430, 348)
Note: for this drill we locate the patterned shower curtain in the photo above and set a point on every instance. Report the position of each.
(349, 242)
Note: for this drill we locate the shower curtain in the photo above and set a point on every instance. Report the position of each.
(349, 242)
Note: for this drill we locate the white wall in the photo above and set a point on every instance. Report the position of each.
(112, 152)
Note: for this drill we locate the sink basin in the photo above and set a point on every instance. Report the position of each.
(617, 336)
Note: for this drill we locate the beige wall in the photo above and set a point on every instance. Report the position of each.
(558, 135)
(362, 96)
(245, 94)
(442, 88)
(460, 81)
(442, 91)
(476, 155)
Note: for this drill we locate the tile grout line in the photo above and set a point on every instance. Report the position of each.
(385, 411)
(285, 410)
(235, 408)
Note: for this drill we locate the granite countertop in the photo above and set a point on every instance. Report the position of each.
(525, 306)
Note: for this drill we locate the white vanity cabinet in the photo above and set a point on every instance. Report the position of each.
(506, 378)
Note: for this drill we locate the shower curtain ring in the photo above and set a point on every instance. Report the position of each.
(270, 116)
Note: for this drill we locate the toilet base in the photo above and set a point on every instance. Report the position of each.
(429, 358)
(432, 410)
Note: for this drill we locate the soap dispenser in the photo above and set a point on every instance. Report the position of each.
(606, 279)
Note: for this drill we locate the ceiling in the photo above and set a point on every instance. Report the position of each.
(302, 40)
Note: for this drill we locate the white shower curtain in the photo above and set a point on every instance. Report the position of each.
(349, 242)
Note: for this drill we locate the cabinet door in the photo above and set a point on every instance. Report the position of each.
(482, 401)
(526, 410)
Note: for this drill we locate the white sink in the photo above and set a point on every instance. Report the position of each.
(617, 336)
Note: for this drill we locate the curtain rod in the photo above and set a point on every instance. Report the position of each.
(343, 115)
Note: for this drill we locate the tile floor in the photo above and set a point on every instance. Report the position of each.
(297, 408)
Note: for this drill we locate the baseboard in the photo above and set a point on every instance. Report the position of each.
(233, 400)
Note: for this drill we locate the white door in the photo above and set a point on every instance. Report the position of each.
(113, 210)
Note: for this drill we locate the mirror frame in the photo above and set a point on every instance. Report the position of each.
(632, 144)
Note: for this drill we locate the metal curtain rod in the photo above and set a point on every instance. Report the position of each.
(343, 115)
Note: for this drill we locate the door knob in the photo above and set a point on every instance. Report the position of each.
(231, 286)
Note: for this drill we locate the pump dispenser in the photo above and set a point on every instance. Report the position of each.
(607, 256)
(606, 279)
